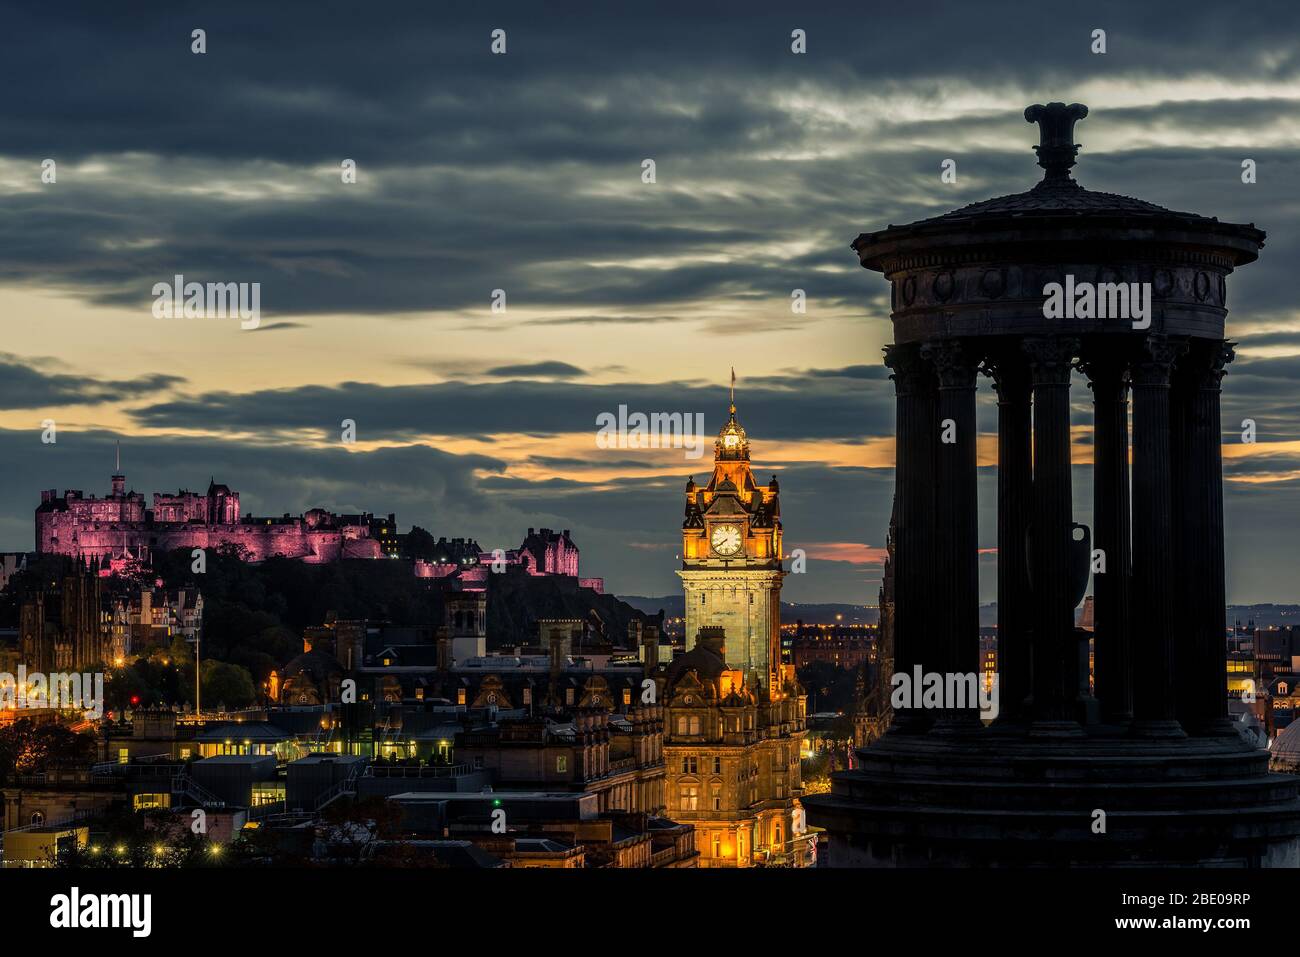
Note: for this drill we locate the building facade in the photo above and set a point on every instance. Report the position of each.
(735, 716)
(119, 526)
(731, 557)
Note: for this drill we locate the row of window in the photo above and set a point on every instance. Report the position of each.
(691, 765)
(704, 597)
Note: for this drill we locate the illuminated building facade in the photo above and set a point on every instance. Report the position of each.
(118, 527)
(68, 626)
(731, 557)
(735, 716)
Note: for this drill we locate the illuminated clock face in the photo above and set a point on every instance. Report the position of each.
(725, 539)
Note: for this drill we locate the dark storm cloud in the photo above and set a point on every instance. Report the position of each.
(28, 385)
(551, 370)
(1266, 391)
(409, 81)
(463, 155)
(803, 408)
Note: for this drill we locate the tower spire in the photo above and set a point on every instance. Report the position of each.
(119, 480)
(733, 390)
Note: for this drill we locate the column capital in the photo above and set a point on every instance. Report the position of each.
(1009, 370)
(1101, 365)
(1206, 363)
(955, 364)
(1155, 361)
(911, 372)
(1050, 358)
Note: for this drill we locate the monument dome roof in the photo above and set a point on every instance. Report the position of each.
(1058, 196)
(1059, 204)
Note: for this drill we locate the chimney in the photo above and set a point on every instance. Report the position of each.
(650, 647)
(556, 635)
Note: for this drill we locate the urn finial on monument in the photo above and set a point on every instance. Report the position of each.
(1056, 148)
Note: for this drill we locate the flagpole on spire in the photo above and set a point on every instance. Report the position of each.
(119, 456)
(733, 390)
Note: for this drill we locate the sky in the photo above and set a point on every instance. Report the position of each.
(523, 172)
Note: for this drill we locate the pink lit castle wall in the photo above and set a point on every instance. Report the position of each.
(543, 552)
(118, 528)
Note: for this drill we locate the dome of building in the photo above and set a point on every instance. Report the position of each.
(1285, 752)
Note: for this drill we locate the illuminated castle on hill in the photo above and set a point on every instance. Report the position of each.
(119, 528)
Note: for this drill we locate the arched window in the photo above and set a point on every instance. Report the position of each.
(38, 818)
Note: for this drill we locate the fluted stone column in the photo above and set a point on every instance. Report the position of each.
(915, 438)
(1201, 648)
(1154, 708)
(956, 636)
(1056, 654)
(1112, 589)
(1186, 651)
(1009, 369)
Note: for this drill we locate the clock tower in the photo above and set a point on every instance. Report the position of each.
(731, 558)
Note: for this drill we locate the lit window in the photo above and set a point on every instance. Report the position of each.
(562, 764)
